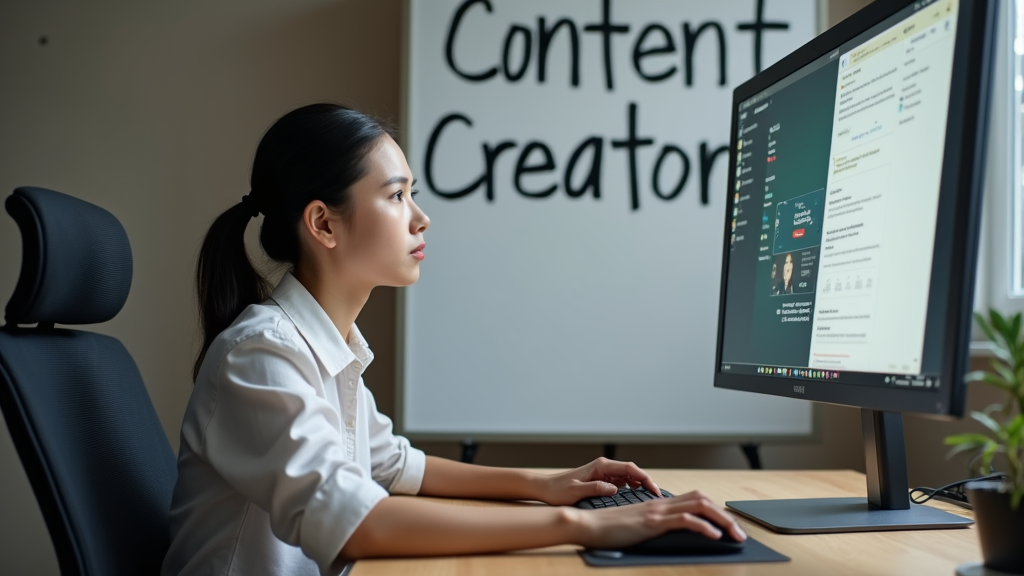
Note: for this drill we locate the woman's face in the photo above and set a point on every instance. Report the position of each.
(787, 268)
(382, 243)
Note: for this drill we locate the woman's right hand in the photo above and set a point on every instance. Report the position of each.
(627, 525)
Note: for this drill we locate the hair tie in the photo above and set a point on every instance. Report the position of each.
(249, 201)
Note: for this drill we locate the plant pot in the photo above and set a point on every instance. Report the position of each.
(1000, 529)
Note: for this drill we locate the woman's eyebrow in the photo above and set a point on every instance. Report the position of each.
(397, 180)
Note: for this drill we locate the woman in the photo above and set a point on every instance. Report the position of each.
(786, 284)
(285, 464)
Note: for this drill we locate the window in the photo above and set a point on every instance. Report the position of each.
(1000, 282)
(1016, 110)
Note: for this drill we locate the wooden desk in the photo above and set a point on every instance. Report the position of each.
(877, 553)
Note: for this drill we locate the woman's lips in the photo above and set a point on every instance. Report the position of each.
(417, 252)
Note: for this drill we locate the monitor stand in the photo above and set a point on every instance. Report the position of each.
(887, 506)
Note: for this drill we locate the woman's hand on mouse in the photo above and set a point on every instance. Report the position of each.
(602, 477)
(627, 525)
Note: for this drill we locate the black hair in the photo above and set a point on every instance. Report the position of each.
(316, 152)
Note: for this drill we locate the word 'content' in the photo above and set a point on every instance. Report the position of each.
(652, 42)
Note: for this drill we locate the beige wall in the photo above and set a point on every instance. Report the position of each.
(153, 110)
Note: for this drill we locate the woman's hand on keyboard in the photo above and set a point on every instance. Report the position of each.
(602, 477)
(627, 525)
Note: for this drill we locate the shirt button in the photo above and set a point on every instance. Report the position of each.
(350, 423)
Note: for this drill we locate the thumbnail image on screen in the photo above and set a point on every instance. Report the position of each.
(798, 222)
(794, 272)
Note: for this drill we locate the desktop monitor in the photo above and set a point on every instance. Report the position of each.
(851, 235)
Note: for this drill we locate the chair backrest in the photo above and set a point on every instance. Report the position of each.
(98, 460)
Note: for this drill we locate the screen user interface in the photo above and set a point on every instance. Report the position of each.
(834, 208)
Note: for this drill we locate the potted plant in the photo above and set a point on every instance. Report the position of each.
(997, 504)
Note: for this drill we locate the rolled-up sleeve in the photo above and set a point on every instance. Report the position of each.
(396, 465)
(274, 437)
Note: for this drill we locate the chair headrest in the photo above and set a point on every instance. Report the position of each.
(76, 264)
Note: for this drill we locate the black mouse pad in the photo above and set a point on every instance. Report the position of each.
(754, 551)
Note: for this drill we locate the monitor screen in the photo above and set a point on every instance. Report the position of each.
(843, 277)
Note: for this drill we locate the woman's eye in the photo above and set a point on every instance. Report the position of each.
(414, 193)
(398, 196)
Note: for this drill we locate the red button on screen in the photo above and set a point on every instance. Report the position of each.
(798, 233)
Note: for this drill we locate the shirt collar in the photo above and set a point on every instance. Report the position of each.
(318, 330)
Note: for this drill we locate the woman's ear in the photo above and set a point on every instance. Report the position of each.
(321, 224)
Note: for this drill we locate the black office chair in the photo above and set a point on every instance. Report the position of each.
(82, 422)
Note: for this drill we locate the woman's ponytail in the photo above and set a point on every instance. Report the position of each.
(226, 280)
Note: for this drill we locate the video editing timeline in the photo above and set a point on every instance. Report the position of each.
(824, 275)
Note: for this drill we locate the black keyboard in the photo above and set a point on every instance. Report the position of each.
(625, 497)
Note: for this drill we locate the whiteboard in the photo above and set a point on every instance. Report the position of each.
(548, 300)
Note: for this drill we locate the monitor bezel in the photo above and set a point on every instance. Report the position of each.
(966, 131)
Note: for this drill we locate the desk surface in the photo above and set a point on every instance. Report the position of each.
(876, 553)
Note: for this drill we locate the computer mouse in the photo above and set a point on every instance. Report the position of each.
(686, 543)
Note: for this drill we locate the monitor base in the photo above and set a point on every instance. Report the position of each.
(978, 569)
(824, 515)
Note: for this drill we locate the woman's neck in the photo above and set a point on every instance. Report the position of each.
(342, 302)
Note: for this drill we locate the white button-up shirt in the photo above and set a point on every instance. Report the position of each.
(283, 452)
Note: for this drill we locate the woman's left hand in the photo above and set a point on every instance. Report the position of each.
(602, 477)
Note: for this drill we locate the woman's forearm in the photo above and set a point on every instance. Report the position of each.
(406, 526)
(447, 478)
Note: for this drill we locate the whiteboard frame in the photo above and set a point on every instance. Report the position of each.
(815, 435)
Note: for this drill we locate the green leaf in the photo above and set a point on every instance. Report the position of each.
(1001, 353)
(967, 437)
(1013, 443)
(961, 448)
(996, 381)
(1009, 338)
(997, 320)
(1005, 372)
(992, 408)
(999, 323)
(987, 454)
(1015, 497)
(1014, 431)
(988, 422)
(976, 376)
(985, 327)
